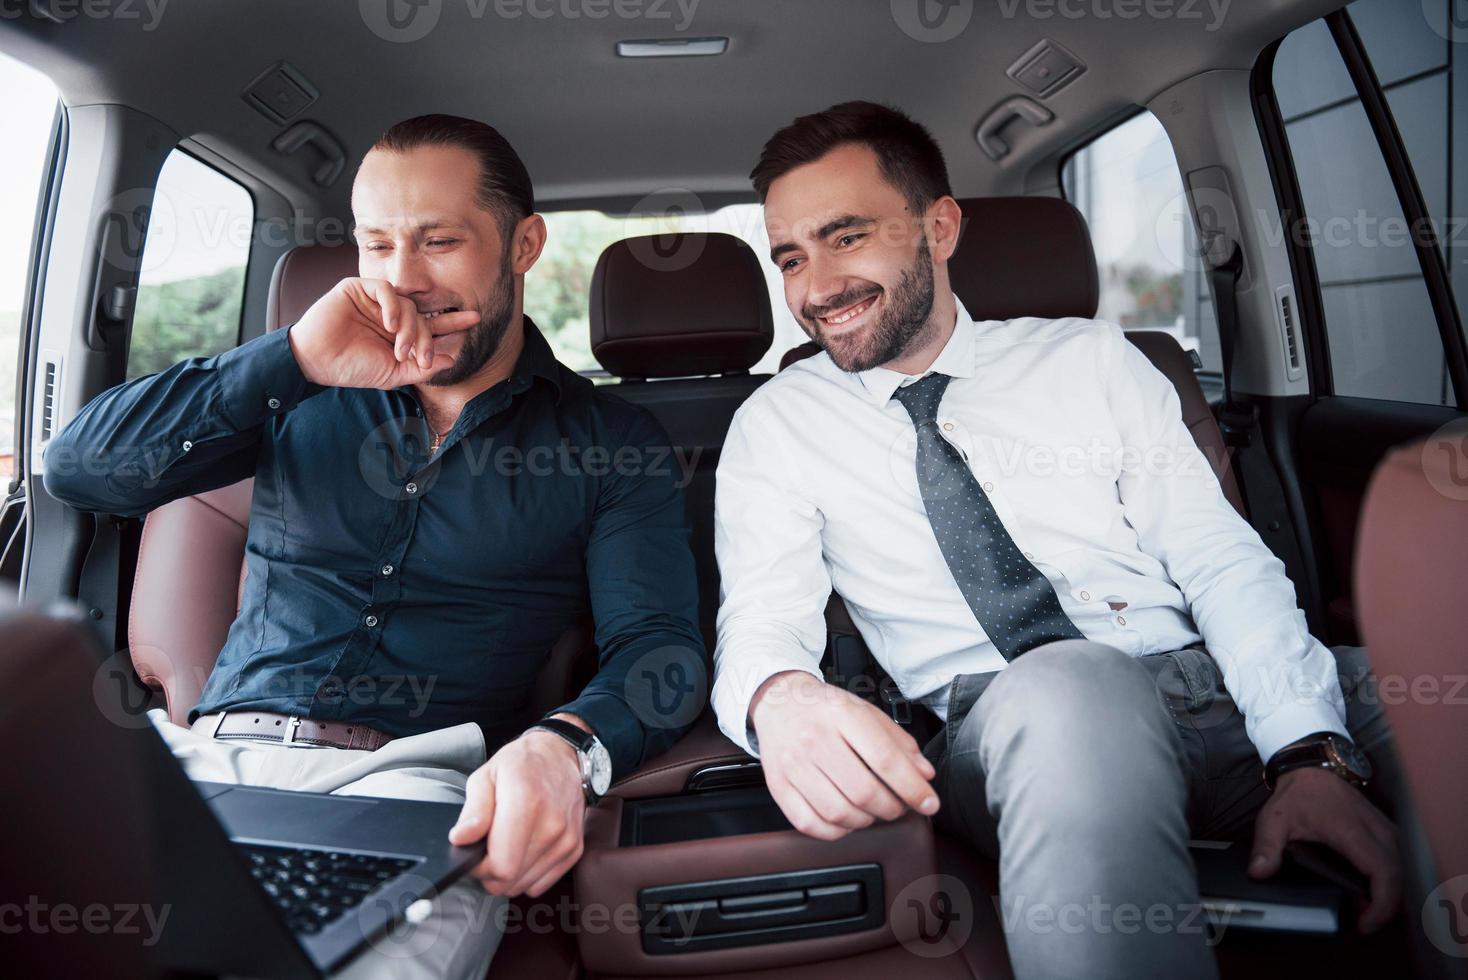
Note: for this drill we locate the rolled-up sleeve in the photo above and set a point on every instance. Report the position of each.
(191, 428)
(652, 679)
(773, 578)
(1282, 679)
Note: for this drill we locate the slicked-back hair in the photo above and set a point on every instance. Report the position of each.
(505, 189)
(910, 158)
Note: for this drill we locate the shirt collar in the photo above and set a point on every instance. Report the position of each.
(537, 360)
(956, 360)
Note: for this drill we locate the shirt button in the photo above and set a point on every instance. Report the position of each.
(274, 404)
(187, 445)
(386, 569)
(1121, 621)
(411, 488)
(370, 621)
(1029, 556)
(988, 487)
(947, 426)
(1085, 596)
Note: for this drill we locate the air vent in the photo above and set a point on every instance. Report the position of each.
(1289, 332)
(687, 47)
(48, 401)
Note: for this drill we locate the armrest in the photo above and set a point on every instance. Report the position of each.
(704, 747)
(881, 873)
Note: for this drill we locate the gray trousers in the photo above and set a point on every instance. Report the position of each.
(1085, 772)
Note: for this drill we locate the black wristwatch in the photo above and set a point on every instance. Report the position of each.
(596, 761)
(1322, 750)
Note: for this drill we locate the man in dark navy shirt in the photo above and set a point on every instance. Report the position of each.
(436, 500)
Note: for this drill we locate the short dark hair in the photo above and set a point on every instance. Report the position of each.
(504, 183)
(909, 156)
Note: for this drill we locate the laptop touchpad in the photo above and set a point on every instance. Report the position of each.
(298, 818)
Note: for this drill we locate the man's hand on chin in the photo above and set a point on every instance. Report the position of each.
(1317, 805)
(528, 801)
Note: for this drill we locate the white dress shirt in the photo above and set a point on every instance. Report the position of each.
(1079, 443)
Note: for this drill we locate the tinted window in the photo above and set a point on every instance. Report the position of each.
(192, 285)
(1127, 185)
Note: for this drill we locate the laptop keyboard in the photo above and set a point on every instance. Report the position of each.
(312, 887)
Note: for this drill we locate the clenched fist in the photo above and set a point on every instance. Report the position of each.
(362, 334)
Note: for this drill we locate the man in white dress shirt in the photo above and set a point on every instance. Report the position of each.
(1032, 545)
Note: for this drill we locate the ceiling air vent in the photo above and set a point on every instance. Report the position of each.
(685, 47)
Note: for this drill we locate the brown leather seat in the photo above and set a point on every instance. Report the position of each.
(1043, 265)
(680, 319)
(1412, 594)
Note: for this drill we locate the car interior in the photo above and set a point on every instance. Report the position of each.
(1261, 194)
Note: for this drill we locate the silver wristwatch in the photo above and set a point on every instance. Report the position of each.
(596, 761)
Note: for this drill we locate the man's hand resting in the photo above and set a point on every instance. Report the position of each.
(833, 762)
(1317, 805)
(527, 800)
(362, 334)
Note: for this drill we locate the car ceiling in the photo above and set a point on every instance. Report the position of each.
(595, 127)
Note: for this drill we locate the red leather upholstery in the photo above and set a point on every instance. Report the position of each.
(302, 276)
(1412, 596)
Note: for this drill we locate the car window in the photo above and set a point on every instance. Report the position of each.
(30, 113)
(1380, 327)
(558, 288)
(191, 286)
(1127, 184)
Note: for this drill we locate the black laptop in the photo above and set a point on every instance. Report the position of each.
(239, 880)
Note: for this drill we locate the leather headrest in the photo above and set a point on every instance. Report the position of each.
(302, 276)
(1024, 256)
(665, 306)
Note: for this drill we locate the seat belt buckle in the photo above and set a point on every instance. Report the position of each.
(1235, 421)
(897, 706)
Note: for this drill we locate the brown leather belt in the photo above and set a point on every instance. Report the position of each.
(270, 726)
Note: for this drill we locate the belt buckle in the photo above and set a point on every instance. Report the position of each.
(292, 722)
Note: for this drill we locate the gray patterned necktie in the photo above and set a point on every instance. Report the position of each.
(1013, 602)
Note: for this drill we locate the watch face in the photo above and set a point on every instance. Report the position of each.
(601, 767)
(1348, 754)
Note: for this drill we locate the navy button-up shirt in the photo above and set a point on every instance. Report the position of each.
(410, 592)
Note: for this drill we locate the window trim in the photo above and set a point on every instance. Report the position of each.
(239, 326)
(42, 227)
(1409, 195)
(1290, 199)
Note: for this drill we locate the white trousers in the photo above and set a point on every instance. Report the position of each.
(461, 935)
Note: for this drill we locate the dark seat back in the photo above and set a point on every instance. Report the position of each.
(681, 319)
